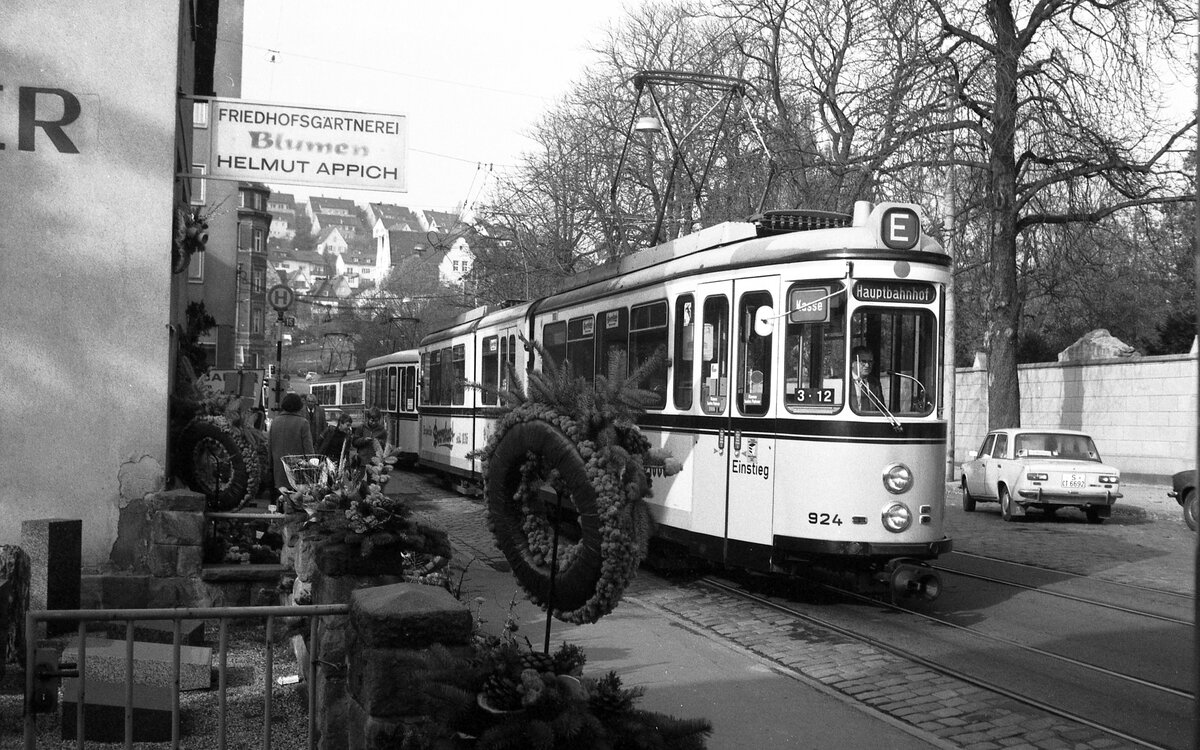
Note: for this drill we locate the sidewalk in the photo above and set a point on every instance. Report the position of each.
(750, 702)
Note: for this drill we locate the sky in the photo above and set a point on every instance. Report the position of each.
(471, 76)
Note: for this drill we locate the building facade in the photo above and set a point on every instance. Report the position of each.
(96, 124)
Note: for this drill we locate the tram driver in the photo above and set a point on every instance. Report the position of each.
(866, 395)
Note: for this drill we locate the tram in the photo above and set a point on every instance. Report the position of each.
(802, 388)
(340, 393)
(392, 385)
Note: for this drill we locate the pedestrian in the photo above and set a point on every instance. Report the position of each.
(289, 435)
(337, 438)
(866, 393)
(316, 416)
(370, 436)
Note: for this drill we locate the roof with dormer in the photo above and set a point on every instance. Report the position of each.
(392, 214)
(444, 221)
(332, 206)
(282, 202)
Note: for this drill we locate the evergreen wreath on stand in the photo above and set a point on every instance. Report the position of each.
(567, 462)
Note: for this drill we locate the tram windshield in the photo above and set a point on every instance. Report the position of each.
(880, 362)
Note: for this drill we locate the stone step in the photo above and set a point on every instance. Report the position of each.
(254, 572)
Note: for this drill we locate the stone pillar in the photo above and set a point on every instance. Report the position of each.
(55, 549)
(176, 534)
(390, 629)
(338, 570)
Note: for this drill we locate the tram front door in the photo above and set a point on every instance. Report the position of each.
(735, 453)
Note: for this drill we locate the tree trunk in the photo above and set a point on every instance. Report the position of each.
(1004, 403)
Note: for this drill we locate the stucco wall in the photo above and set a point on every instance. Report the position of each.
(1141, 412)
(85, 262)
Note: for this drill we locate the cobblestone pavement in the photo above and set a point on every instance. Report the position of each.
(1137, 546)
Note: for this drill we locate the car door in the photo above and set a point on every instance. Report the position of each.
(998, 466)
(975, 472)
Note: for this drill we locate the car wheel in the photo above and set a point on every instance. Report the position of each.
(1190, 503)
(968, 498)
(1005, 504)
(1093, 515)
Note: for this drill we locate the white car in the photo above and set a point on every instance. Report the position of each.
(1046, 469)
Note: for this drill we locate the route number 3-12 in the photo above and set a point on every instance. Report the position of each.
(824, 519)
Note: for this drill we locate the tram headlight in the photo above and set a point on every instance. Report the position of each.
(897, 478)
(897, 517)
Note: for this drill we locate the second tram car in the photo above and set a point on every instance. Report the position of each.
(802, 391)
(340, 392)
(392, 386)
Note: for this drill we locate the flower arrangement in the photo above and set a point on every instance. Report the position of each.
(505, 695)
(565, 480)
(344, 503)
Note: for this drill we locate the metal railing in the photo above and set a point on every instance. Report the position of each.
(42, 677)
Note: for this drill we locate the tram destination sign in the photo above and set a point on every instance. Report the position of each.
(905, 292)
(300, 145)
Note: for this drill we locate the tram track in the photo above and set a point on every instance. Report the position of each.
(1069, 574)
(942, 666)
(1093, 601)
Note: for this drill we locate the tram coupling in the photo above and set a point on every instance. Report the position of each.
(908, 578)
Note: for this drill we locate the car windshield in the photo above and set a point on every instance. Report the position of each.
(1054, 445)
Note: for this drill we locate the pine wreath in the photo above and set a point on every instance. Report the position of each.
(569, 457)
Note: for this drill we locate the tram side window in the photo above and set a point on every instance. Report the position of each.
(408, 387)
(714, 356)
(813, 348)
(393, 398)
(685, 336)
(648, 334)
(554, 341)
(904, 344)
(613, 342)
(352, 392)
(458, 374)
(581, 347)
(432, 376)
(489, 359)
(324, 393)
(754, 353)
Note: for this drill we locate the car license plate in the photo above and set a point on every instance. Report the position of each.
(1074, 481)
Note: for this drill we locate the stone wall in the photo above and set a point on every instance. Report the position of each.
(1140, 411)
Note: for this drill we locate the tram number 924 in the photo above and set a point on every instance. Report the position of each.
(824, 519)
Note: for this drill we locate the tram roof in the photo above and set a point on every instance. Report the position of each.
(406, 355)
(770, 237)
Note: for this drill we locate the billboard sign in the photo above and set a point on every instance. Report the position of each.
(298, 145)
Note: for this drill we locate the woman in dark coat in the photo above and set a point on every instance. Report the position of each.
(289, 435)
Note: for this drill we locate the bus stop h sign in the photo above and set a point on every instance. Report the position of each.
(281, 297)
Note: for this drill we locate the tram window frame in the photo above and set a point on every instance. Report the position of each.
(714, 354)
(431, 364)
(554, 341)
(408, 388)
(393, 388)
(458, 365)
(353, 392)
(754, 355)
(649, 334)
(683, 363)
(326, 393)
(904, 342)
(489, 365)
(581, 347)
(814, 362)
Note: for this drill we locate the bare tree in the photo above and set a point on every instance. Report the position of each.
(1061, 98)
